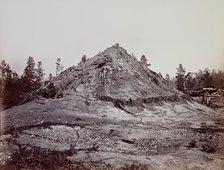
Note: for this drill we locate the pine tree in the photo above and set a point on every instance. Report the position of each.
(84, 59)
(180, 78)
(5, 70)
(10, 84)
(144, 61)
(5, 79)
(207, 78)
(29, 77)
(218, 79)
(59, 67)
(40, 72)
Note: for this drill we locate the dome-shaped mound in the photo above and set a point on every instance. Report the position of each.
(117, 74)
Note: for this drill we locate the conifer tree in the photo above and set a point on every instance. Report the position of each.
(5, 70)
(144, 60)
(180, 78)
(40, 72)
(29, 77)
(10, 86)
(84, 59)
(207, 78)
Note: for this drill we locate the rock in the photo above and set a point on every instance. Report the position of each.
(192, 144)
(208, 147)
(127, 141)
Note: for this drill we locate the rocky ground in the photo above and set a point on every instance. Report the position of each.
(163, 135)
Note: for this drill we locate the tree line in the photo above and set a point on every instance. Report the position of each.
(201, 79)
(15, 88)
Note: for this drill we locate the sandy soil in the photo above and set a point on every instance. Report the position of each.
(74, 132)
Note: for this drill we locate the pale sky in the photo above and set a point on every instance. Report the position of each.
(167, 32)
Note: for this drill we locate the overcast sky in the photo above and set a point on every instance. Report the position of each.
(167, 32)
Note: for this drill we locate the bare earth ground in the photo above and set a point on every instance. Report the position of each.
(76, 132)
